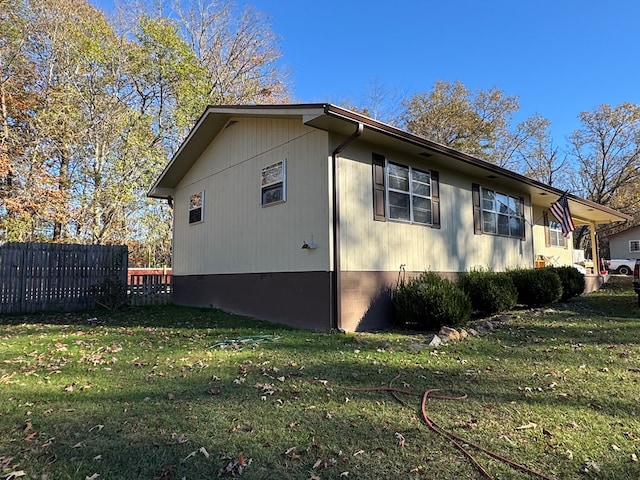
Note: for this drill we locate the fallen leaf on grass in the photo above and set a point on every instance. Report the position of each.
(317, 464)
(344, 474)
(291, 453)
(30, 437)
(27, 426)
(527, 426)
(634, 457)
(591, 466)
(6, 377)
(78, 445)
(179, 439)
(615, 447)
(359, 452)
(96, 427)
(15, 474)
(236, 466)
(93, 477)
(400, 439)
(192, 454)
(5, 463)
(314, 477)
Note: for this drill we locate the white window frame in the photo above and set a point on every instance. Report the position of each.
(410, 192)
(195, 206)
(556, 239)
(497, 211)
(634, 246)
(270, 184)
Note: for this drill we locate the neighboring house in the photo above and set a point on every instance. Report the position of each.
(625, 244)
(309, 214)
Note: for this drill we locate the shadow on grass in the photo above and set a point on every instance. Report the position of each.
(507, 376)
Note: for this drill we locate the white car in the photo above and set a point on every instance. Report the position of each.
(580, 268)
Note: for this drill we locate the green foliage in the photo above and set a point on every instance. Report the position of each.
(536, 286)
(95, 109)
(489, 292)
(572, 281)
(473, 122)
(429, 301)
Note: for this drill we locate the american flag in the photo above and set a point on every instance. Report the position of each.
(560, 210)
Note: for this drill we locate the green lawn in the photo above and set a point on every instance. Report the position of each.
(161, 393)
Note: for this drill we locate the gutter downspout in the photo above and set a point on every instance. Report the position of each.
(335, 287)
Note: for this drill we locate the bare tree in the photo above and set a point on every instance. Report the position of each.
(606, 150)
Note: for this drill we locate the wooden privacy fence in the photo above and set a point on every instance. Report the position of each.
(149, 289)
(49, 276)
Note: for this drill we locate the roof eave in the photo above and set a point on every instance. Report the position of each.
(319, 115)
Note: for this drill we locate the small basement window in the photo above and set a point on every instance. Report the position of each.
(196, 205)
(273, 184)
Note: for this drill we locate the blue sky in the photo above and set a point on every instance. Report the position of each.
(559, 56)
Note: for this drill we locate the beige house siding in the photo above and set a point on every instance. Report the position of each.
(552, 255)
(368, 245)
(237, 234)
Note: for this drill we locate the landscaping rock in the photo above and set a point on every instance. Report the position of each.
(448, 333)
(416, 347)
(436, 341)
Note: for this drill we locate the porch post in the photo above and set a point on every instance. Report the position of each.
(594, 249)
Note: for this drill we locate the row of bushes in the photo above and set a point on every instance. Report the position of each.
(430, 301)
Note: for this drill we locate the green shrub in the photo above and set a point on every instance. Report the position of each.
(429, 301)
(489, 292)
(572, 281)
(536, 286)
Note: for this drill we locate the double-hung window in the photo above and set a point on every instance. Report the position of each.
(404, 193)
(496, 213)
(196, 208)
(634, 246)
(409, 194)
(273, 183)
(553, 232)
(556, 239)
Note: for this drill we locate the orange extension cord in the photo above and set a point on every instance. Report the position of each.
(458, 442)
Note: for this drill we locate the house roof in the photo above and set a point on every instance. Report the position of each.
(341, 121)
(626, 230)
